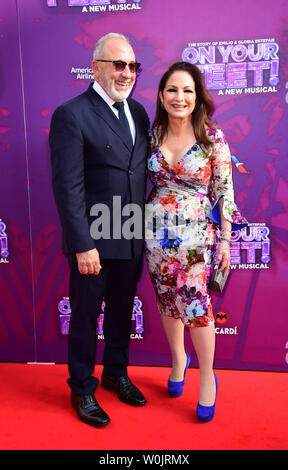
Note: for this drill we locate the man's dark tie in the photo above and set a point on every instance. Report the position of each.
(122, 117)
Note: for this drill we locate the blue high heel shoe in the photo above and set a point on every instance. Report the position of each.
(206, 413)
(175, 389)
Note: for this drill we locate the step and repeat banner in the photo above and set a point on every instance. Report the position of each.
(45, 59)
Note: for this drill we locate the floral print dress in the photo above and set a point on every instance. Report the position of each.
(181, 220)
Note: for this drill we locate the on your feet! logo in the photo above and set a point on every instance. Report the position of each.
(99, 6)
(251, 247)
(4, 253)
(64, 309)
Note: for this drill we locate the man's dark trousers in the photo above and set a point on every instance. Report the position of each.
(116, 283)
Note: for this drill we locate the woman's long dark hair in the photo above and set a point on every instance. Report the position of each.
(204, 106)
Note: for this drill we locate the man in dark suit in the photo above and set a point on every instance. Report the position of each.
(98, 155)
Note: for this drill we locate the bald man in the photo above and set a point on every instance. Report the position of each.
(99, 146)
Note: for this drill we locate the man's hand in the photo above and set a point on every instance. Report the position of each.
(89, 262)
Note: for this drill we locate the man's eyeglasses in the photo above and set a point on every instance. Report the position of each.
(120, 65)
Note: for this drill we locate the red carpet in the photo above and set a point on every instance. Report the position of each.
(251, 412)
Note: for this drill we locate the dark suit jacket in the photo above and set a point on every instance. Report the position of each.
(92, 161)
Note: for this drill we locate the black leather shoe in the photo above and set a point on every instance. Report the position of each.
(124, 388)
(89, 410)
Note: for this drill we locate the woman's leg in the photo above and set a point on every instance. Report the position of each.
(203, 339)
(174, 330)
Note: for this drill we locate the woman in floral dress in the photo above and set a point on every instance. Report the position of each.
(190, 167)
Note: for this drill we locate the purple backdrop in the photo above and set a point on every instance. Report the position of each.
(46, 49)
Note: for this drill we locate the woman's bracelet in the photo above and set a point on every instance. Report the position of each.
(224, 230)
(225, 240)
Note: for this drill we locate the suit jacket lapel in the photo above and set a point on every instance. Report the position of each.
(102, 109)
